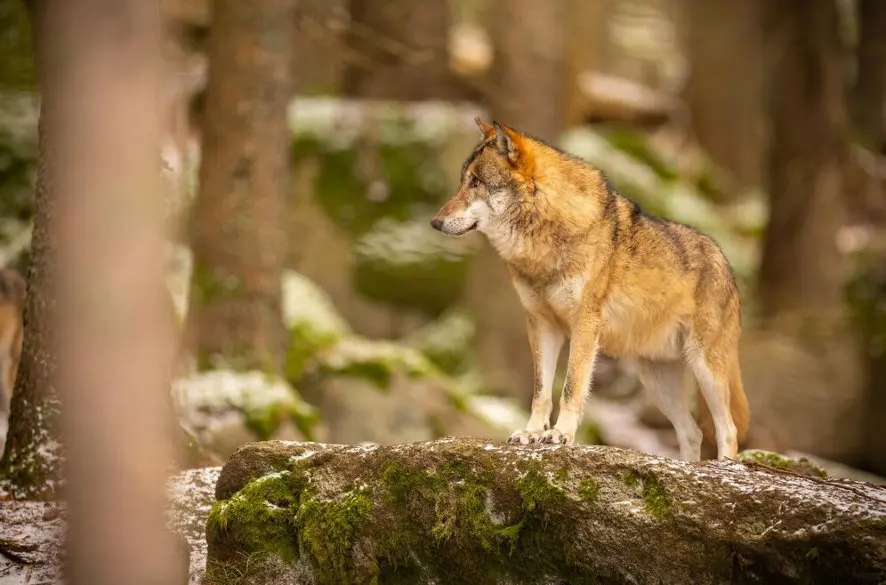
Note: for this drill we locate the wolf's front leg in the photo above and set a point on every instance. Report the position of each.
(546, 342)
(579, 372)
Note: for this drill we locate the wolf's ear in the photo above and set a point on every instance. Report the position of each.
(506, 141)
(486, 129)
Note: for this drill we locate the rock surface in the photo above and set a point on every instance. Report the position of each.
(32, 533)
(467, 511)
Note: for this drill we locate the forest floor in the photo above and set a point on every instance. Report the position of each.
(32, 533)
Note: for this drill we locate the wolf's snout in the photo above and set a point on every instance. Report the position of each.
(437, 224)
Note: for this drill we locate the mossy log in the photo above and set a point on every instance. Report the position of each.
(466, 511)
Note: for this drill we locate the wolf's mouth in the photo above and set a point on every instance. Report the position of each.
(468, 229)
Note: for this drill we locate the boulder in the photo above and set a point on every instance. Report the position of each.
(469, 511)
(223, 409)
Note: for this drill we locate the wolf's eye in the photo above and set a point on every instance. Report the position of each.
(475, 182)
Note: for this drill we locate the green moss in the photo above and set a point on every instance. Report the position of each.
(589, 433)
(656, 500)
(409, 265)
(537, 491)
(447, 341)
(588, 489)
(209, 285)
(770, 459)
(312, 321)
(362, 182)
(637, 146)
(17, 65)
(257, 519)
(328, 530)
(766, 458)
(375, 360)
(453, 518)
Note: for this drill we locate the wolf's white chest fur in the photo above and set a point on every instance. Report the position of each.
(560, 301)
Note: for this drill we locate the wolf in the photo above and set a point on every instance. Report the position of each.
(12, 297)
(589, 265)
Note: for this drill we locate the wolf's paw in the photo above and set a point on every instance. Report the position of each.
(524, 437)
(556, 437)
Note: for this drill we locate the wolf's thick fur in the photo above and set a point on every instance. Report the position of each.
(12, 296)
(590, 266)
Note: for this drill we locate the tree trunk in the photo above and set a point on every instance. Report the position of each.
(724, 45)
(529, 73)
(98, 328)
(869, 95)
(465, 511)
(239, 218)
(397, 49)
(30, 468)
(590, 50)
(809, 384)
(801, 266)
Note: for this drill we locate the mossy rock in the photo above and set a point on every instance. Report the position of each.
(373, 360)
(778, 461)
(17, 68)
(460, 511)
(379, 171)
(447, 341)
(311, 319)
(378, 159)
(19, 112)
(412, 266)
(260, 402)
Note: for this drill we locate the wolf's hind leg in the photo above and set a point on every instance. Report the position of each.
(664, 382)
(713, 381)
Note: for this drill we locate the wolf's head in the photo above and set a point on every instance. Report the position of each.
(496, 175)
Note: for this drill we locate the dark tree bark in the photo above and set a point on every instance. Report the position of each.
(801, 271)
(30, 468)
(869, 94)
(724, 44)
(239, 219)
(397, 49)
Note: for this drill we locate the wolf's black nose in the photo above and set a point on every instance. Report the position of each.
(436, 223)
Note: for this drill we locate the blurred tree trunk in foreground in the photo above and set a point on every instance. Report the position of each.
(397, 49)
(98, 286)
(870, 87)
(238, 229)
(30, 468)
(724, 43)
(802, 371)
